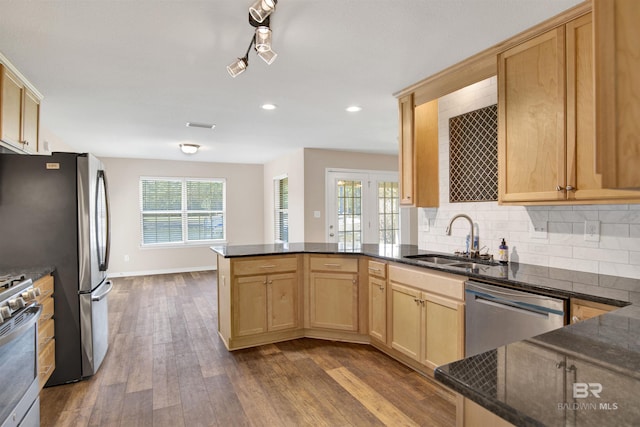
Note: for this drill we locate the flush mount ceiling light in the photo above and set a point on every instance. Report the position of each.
(259, 13)
(269, 106)
(354, 109)
(189, 148)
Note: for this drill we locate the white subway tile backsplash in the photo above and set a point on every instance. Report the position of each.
(595, 254)
(617, 253)
(620, 217)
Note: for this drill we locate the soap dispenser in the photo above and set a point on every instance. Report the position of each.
(503, 252)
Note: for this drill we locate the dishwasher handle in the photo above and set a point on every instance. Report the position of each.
(536, 311)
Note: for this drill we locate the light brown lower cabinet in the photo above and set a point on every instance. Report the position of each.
(580, 310)
(258, 300)
(46, 329)
(426, 326)
(266, 303)
(475, 415)
(333, 301)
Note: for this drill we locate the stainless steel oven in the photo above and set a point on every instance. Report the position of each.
(19, 313)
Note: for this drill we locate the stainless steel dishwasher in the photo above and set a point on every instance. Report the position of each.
(496, 316)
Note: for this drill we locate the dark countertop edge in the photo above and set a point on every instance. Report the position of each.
(496, 407)
(33, 273)
(540, 289)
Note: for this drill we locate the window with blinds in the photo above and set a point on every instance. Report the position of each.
(181, 210)
(281, 213)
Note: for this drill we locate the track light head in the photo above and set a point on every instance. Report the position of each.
(268, 56)
(261, 9)
(238, 66)
(263, 39)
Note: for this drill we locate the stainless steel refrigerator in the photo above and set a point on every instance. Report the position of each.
(54, 212)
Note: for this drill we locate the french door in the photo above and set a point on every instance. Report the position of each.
(362, 207)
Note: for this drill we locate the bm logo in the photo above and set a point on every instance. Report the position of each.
(583, 390)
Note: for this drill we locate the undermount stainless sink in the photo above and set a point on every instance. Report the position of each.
(452, 261)
(433, 259)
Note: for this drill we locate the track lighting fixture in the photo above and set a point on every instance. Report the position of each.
(261, 40)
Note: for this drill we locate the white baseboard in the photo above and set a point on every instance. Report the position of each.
(164, 271)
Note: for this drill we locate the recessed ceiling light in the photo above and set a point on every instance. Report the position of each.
(200, 125)
(353, 109)
(269, 106)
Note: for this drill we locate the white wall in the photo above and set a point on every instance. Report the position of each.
(316, 162)
(244, 213)
(292, 166)
(617, 253)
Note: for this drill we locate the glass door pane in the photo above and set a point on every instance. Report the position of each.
(349, 203)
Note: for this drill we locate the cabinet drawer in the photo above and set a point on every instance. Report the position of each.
(46, 333)
(46, 361)
(377, 269)
(449, 285)
(47, 312)
(334, 264)
(45, 284)
(264, 265)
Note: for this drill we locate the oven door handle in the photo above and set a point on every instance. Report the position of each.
(98, 297)
(4, 339)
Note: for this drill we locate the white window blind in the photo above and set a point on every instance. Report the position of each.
(181, 210)
(281, 214)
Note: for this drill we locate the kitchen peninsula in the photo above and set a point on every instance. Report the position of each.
(288, 286)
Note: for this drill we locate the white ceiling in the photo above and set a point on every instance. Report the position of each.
(121, 78)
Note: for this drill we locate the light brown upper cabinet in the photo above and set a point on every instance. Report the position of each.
(546, 135)
(19, 112)
(617, 108)
(418, 155)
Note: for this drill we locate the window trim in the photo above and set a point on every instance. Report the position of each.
(183, 212)
(276, 208)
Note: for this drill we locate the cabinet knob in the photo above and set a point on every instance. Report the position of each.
(575, 319)
(571, 188)
(560, 188)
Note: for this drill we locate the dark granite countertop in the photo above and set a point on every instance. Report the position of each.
(552, 379)
(545, 280)
(33, 273)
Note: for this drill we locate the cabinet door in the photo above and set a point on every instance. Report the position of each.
(378, 309)
(617, 74)
(443, 330)
(405, 106)
(616, 400)
(406, 320)
(30, 122)
(334, 301)
(11, 108)
(581, 149)
(531, 119)
(532, 378)
(282, 294)
(250, 305)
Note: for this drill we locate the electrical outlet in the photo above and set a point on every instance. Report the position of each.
(126, 258)
(538, 230)
(592, 231)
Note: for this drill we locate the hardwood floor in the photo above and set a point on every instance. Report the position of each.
(166, 366)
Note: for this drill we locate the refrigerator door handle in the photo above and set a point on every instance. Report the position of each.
(100, 296)
(102, 177)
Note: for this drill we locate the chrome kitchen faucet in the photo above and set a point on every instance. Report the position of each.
(473, 250)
